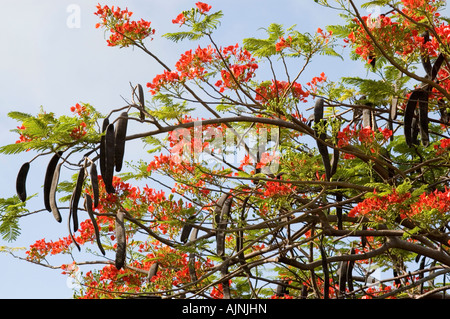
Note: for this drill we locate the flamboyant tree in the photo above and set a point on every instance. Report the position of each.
(275, 187)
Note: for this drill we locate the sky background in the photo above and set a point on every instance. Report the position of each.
(44, 62)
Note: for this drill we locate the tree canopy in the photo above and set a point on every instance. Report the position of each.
(246, 186)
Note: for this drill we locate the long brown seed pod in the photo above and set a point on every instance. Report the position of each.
(52, 194)
(76, 198)
(409, 115)
(437, 65)
(141, 102)
(226, 282)
(49, 178)
(423, 120)
(222, 225)
(94, 183)
(186, 230)
(103, 147)
(88, 206)
(121, 134)
(323, 149)
(326, 274)
(191, 266)
(121, 252)
(350, 266)
(21, 181)
(108, 174)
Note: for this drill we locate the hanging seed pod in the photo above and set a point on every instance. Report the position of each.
(437, 65)
(409, 116)
(108, 174)
(342, 275)
(323, 150)
(326, 274)
(121, 134)
(52, 194)
(121, 240)
(94, 184)
(226, 282)
(222, 225)
(153, 270)
(76, 198)
(21, 181)
(141, 102)
(186, 230)
(88, 206)
(423, 119)
(191, 266)
(367, 118)
(350, 266)
(334, 162)
(424, 57)
(393, 109)
(363, 238)
(103, 147)
(339, 211)
(49, 177)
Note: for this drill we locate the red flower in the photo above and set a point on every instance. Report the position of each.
(203, 7)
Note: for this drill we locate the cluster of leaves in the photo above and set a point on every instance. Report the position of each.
(361, 180)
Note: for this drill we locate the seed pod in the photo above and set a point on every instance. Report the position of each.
(339, 211)
(424, 57)
(222, 225)
(52, 193)
(88, 206)
(76, 198)
(323, 150)
(363, 238)
(121, 240)
(409, 116)
(218, 209)
(226, 282)
(103, 147)
(393, 110)
(342, 275)
(108, 174)
(21, 181)
(186, 230)
(94, 183)
(423, 119)
(240, 238)
(351, 264)
(334, 162)
(141, 102)
(422, 267)
(367, 118)
(191, 266)
(121, 134)
(437, 65)
(153, 270)
(49, 177)
(326, 275)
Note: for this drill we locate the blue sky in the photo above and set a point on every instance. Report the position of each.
(44, 62)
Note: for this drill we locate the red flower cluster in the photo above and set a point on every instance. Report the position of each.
(124, 31)
(366, 136)
(376, 205)
(266, 93)
(203, 7)
(23, 136)
(195, 65)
